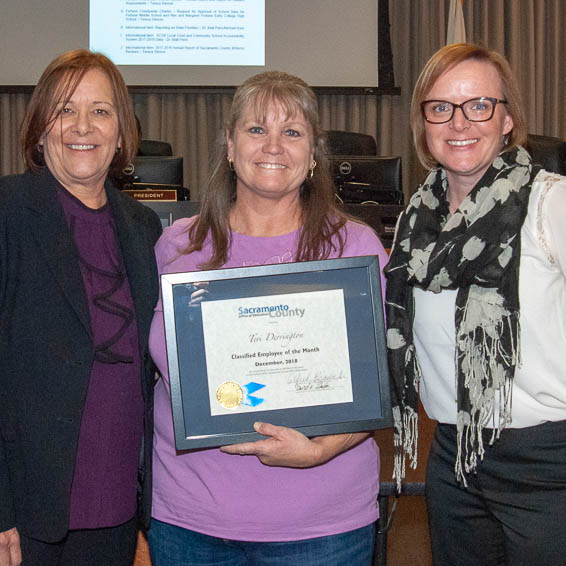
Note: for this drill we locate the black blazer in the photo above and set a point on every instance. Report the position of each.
(46, 349)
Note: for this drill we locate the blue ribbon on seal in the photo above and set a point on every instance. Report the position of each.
(249, 399)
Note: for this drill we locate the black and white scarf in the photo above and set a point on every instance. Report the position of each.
(475, 251)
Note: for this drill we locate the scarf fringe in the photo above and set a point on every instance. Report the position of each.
(496, 396)
(405, 438)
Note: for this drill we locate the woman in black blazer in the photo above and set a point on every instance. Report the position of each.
(78, 284)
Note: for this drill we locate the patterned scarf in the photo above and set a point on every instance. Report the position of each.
(475, 251)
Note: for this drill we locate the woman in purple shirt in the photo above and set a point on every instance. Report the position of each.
(285, 499)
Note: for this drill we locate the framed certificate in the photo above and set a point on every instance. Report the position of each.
(295, 344)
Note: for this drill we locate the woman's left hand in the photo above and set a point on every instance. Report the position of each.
(292, 449)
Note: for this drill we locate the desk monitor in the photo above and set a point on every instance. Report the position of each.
(360, 178)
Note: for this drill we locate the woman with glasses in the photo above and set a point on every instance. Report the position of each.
(476, 310)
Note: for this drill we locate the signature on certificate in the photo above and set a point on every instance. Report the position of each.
(315, 381)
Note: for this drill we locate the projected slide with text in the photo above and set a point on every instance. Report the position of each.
(179, 32)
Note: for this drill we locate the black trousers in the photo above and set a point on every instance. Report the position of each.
(513, 511)
(113, 546)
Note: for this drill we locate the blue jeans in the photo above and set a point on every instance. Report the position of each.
(170, 545)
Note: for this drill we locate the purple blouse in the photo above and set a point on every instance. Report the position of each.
(103, 492)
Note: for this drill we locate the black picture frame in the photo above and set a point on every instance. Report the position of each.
(358, 278)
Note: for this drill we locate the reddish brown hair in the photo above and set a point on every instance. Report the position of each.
(447, 58)
(56, 86)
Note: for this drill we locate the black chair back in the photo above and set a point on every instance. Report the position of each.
(166, 170)
(548, 152)
(350, 143)
(154, 147)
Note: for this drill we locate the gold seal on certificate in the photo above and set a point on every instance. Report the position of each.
(229, 395)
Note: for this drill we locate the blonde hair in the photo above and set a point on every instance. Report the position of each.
(321, 219)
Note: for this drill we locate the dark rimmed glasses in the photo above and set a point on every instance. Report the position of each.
(475, 110)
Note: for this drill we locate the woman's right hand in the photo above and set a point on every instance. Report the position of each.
(10, 552)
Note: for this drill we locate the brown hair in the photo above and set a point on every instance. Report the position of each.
(447, 58)
(56, 86)
(321, 219)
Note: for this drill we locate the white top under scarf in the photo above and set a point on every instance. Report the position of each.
(539, 386)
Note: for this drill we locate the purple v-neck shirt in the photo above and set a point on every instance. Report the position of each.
(103, 492)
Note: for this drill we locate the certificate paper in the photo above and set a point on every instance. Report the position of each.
(276, 352)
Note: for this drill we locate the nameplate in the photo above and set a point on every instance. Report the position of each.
(167, 195)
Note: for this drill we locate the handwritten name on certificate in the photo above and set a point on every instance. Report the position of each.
(276, 352)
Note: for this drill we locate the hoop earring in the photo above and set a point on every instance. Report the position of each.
(128, 169)
(230, 164)
(313, 165)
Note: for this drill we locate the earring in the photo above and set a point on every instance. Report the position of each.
(40, 147)
(128, 169)
(230, 163)
(313, 165)
(118, 149)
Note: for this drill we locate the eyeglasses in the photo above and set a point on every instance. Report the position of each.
(475, 110)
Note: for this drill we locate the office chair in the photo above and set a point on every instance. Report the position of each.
(166, 170)
(548, 151)
(154, 147)
(350, 143)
